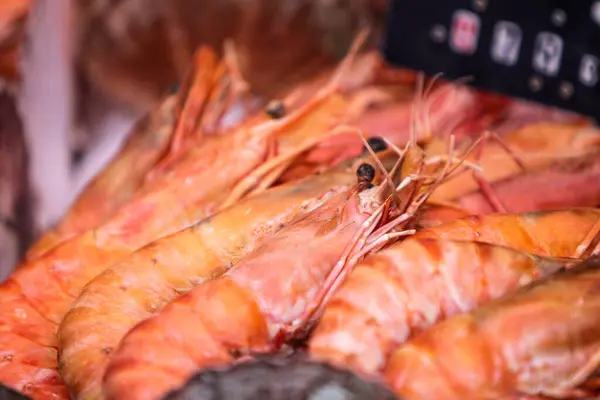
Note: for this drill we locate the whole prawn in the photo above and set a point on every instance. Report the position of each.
(409, 286)
(540, 341)
(141, 284)
(255, 306)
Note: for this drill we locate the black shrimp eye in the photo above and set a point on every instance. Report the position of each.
(174, 88)
(275, 109)
(376, 143)
(366, 172)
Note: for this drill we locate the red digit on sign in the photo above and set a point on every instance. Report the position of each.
(465, 32)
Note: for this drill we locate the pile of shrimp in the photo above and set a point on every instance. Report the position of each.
(366, 216)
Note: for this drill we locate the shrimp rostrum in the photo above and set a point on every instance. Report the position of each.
(269, 297)
(540, 342)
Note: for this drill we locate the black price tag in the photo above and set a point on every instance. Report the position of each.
(542, 50)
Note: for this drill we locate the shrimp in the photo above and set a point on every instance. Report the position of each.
(210, 177)
(144, 282)
(572, 183)
(205, 99)
(556, 233)
(255, 306)
(410, 285)
(536, 146)
(539, 341)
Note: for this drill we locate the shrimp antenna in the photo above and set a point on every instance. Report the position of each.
(451, 126)
(420, 105)
(400, 152)
(427, 105)
(188, 79)
(359, 41)
(192, 102)
(413, 108)
(434, 79)
(232, 60)
(447, 166)
(437, 96)
(457, 82)
(388, 179)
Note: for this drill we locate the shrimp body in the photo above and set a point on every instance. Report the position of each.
(407, 287)
(555, 233)
(112, 303)
(540, 341)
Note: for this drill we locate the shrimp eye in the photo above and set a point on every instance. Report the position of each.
(275, 109)
(365, 174)
(376, 143)
(174, 88)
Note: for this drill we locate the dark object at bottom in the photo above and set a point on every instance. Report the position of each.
(10, 394)
(278, 378)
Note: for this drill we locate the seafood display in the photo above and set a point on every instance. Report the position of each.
(392, 236)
